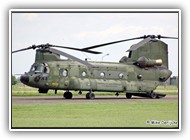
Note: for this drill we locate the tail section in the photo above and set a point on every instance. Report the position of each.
(153, 49)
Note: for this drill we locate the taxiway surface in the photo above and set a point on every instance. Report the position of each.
(83, 100)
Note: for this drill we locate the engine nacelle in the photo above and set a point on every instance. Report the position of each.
(145, 62)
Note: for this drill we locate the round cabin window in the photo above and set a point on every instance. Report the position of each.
(121, 75)
(102, 74)
(84, 73)
(65, 73)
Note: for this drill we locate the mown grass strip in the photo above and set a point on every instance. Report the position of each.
(129, 114)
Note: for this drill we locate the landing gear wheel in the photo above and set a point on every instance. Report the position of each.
(128, 95)
(153, 95)
(68, 95)
(90, 95)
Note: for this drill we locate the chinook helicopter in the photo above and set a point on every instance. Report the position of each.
(139, 74)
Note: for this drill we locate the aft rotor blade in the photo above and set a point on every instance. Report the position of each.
(159, 36)
(109, 43)
(70, 57)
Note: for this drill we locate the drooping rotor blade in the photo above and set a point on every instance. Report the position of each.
(76, 49)
(44, 46)
(109, 43)
(70, 57)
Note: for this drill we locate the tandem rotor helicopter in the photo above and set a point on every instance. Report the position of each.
(139, 74)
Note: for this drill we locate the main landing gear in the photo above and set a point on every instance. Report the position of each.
(90, 95)
(128, 95)
(68, 95)
(151, 95)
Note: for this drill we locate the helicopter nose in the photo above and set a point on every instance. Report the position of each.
(24, 78)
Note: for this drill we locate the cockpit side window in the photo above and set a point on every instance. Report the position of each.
(33, 68)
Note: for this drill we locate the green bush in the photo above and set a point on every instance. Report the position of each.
(13, 80)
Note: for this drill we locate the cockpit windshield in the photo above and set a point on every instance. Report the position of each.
(40, 68)
(37, 68)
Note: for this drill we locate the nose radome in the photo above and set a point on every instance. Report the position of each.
(24, 78)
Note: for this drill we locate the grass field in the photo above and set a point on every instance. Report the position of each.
(116, 114)
(94, 115)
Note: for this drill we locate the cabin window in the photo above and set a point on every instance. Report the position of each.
(84, 73)
(139, 76)
(102, 74)
(121, 75)
(63, 73)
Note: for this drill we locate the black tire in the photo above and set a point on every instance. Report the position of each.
(153, 95)
(87, 96)
(68, 95)
(90, 96)
(128, 95)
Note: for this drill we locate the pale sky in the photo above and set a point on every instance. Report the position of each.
(86, 29)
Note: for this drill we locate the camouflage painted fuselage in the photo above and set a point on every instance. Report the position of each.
(106, 76)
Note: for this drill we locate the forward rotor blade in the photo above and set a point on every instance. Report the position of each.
(20, 50)
(44, 46)
(32, 47)
(109, 43)
(76, 49)
(70, 57)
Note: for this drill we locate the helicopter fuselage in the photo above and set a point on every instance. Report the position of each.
(105, 76)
